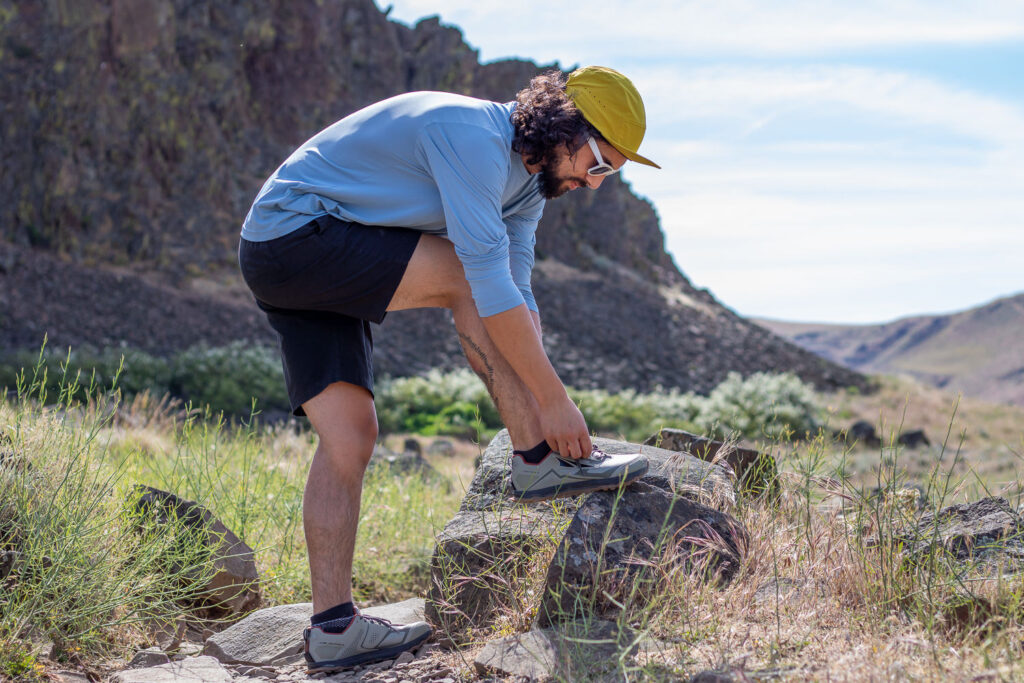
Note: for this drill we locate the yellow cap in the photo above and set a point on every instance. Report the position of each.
(612, 105)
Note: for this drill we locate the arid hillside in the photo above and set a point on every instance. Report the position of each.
(979, 352)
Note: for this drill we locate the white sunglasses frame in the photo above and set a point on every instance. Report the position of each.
(602, 168)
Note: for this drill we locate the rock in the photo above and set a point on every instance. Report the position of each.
(669, 470)
(405, 463)
(442, 447)
(405, 658)
(404, 612)
(595, 565)
(756, 471)
(863, 432)
(573, 652)
(254, 672)
(264, 637)
(985, 529)
(233, 590)
(914, 438)
(69, 677)
(412, 446)
(151, 656)
(479, 558)
(191, 670)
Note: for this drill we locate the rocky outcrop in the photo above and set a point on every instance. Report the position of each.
(614, 541)
(672, 516)
(676, 472)
(139, 132)
(479, 563)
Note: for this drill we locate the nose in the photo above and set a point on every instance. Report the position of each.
(594, 181)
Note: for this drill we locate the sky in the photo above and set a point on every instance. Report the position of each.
(850, 162)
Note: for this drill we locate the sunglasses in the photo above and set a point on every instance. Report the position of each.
(602, 167)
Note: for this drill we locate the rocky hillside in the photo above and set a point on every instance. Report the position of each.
(978, 352)
(136, 133)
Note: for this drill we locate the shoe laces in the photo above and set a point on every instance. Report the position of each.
(380, 620)
(596, 454)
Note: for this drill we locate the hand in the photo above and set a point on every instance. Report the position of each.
(565, 429)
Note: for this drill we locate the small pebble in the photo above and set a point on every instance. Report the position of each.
(404, 658)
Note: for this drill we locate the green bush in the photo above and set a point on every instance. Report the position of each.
(227, 378)
(85, 371)
(636, 416)
(452, 403)
(762, 405)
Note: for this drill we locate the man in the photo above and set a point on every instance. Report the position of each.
(427, 200)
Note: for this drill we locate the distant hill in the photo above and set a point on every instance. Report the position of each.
(979, 352)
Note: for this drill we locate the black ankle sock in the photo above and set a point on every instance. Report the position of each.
(345, 609)
(535, 454)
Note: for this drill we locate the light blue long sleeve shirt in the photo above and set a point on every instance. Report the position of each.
(429, 161)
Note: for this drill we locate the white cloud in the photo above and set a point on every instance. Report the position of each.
(573, 32)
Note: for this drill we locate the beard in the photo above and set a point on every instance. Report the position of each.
(552, 185)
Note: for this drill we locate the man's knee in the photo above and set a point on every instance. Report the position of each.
(349, 446)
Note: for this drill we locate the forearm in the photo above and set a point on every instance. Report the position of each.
(516, 334)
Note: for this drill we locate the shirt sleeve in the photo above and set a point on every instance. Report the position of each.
(470, 165)
(522, 233)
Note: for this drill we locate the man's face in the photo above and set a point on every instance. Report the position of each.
(564, 171)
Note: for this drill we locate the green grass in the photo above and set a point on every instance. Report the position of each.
(92, 581)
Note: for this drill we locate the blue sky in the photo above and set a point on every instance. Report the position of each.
(822, 161)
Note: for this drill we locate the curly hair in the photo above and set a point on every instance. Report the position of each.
(545, 118)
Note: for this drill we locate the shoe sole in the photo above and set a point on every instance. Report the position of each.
(364, 658)
(553, 492)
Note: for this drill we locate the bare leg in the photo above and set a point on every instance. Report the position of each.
(435, 278)
(345, 420)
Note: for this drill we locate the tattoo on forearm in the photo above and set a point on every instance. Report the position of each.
(488, 375)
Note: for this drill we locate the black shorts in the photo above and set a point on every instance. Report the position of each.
(321, 286)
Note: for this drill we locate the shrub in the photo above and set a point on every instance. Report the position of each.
(86, 372)
(636, 416)
(763, 405)
(227, 378)
(453, 403)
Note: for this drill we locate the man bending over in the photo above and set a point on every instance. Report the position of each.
(427, 199)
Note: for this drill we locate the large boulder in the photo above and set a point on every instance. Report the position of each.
(608, 554)
(756, 471)
(234, 587)
(584, 650)
(479, 565)
(669, 470)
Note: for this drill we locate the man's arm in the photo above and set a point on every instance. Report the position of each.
(516, 333)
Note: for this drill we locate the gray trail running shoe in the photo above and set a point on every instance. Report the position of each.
(359, 639)
(556, 476)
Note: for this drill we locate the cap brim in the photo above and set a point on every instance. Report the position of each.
(633, 156)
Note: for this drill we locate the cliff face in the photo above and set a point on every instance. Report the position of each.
(137, 132)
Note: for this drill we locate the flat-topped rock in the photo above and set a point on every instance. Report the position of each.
(190, 670)
(674, 471)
